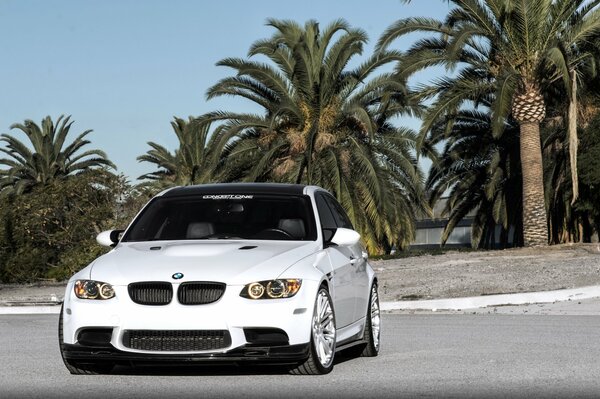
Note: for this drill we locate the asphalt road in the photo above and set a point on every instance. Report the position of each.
(422, 356)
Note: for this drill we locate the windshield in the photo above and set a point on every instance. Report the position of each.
(211, 217)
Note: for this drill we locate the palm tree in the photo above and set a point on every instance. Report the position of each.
(562, 215)
(479, 173)
(322, 123)
(196, 161)
(569, 221)
(514, 50)
(49, 159)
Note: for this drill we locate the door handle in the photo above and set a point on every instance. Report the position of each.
(353, 260)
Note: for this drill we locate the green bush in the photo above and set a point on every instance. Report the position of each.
(49, 232)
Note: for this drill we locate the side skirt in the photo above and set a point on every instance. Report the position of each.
(351, 335)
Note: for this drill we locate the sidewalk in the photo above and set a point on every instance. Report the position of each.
(496, 300)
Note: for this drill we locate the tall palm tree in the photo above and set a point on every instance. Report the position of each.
(514, 49)
(195, 161)
(562, 215)
(569, 221)
(323, 123)
(480, 173)
(48, 157)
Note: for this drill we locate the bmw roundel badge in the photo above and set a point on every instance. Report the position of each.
(177, 276)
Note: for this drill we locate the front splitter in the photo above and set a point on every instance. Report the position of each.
(287, 354)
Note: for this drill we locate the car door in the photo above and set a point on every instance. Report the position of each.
(342, 290)
(358, 261)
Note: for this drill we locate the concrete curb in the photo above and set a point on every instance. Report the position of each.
(496, 300)
(434, 304)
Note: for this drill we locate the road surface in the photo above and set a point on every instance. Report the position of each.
(422, 356)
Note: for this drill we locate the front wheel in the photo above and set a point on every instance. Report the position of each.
(372, 325)
(323, 335)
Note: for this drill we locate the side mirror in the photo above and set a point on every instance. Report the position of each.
(109, 238)
(345, 237)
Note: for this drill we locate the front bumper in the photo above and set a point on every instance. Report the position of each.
(287, 354)
(231, 313)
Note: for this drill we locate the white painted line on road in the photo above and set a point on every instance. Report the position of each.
(496, 300)
(29, 309)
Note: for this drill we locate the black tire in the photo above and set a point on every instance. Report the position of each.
(76, 367)
(371, 348)
(312, 365)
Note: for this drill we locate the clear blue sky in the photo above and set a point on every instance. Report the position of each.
(125, 68)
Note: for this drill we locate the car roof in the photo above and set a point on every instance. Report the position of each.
(237, 188)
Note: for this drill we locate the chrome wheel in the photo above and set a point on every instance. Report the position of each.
(323, 330)
(375, 317)
(322, 342)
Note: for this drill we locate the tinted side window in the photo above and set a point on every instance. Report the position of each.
(327, 220)
(339, 214)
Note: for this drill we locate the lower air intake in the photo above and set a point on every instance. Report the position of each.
(176, 340)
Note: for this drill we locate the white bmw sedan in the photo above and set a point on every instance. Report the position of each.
(225, 272)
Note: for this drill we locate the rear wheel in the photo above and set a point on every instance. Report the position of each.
(323, 335)
(77, 367)
(373, 325)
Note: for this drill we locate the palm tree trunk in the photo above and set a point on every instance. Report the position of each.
(573, 142)
(535, 228)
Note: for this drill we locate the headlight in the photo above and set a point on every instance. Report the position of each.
(272, 289)
(90, 289)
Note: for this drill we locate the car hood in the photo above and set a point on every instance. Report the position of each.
(230, 262)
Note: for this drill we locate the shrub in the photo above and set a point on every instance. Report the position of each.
(49, 233)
